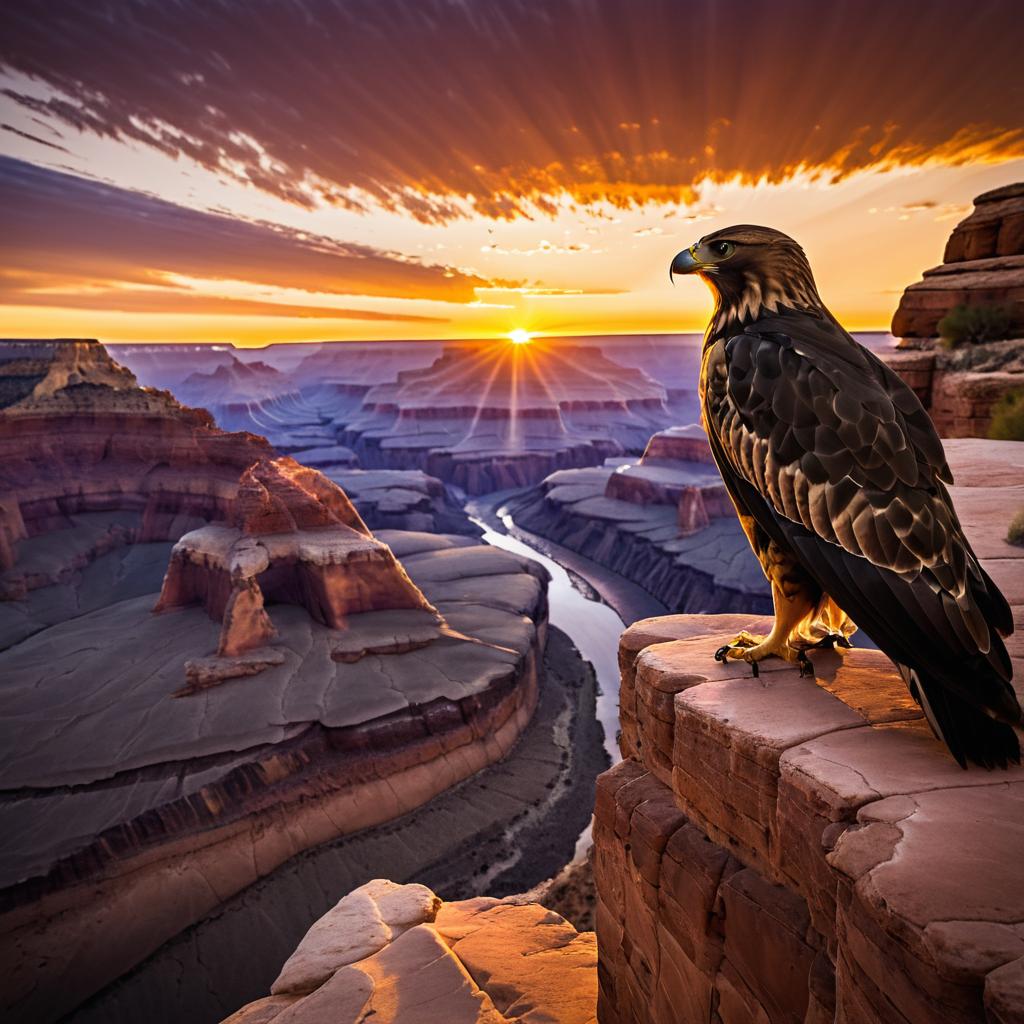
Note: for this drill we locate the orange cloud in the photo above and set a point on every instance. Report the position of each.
(68, 241)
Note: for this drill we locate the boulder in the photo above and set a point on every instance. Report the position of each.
(400, 955)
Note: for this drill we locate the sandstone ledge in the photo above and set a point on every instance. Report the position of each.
(782, 842)
(400, 955)
(797, 849)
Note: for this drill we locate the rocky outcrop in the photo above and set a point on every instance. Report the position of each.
(494, 416)
(501, 831)
(79, 438)
(803, 849)
(293, 538)
(179, 804)
(400, 955)
(983, 265)
(676, 468)
(664, 522)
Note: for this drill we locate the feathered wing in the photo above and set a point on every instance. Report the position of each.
(834, 457)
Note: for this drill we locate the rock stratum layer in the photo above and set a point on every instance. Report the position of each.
(495, 416)
(664, 522)
(345, 678)
(983, 265)
(397, 954)
(803, 850)
(79, 437)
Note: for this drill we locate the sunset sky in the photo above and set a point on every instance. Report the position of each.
(273, 170)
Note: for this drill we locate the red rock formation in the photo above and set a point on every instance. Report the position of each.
(293, 537)
(983, 265)
(960, 389)
(804, 849)
(77, 435)
(677, 468)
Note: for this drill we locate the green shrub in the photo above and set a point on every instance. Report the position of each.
(975, 324)
(1015, 534)
(1008, 418)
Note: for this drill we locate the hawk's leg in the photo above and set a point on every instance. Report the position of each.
(829, 642)
(790, 613)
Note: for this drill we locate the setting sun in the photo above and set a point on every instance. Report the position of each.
(519, 336)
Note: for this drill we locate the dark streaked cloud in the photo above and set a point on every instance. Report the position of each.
(32, 138)
(419, 103)
(67, 240)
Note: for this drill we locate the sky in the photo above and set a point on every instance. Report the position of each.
(256, 171)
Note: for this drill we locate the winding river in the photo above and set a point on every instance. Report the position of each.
(577, 606)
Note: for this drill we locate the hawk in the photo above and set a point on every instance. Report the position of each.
(839, 480)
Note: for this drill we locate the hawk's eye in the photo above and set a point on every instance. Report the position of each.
(722, 249)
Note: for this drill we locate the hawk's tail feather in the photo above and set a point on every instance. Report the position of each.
(970, 734)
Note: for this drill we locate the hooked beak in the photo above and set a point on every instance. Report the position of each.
(684, 263)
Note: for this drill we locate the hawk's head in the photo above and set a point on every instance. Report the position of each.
(751, 269)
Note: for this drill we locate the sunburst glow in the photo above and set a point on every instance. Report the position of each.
(519, 336)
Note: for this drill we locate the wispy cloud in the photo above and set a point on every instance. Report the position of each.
(72, 242)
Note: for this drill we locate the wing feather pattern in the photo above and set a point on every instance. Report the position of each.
(834, 457)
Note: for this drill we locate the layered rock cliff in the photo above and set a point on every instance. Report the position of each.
(80, 442)
(983, 265)
(982, 270)
(663, 521)
(802, 849)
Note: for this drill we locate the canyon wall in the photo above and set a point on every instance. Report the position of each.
(797, 849)
(983, 265)
(494, 416)
(663, 521)
(78, 436)
(293, 679)
(961, 389)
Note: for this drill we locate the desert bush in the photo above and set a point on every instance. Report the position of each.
(1008, 418)
(975, 324)
(1015, 534)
